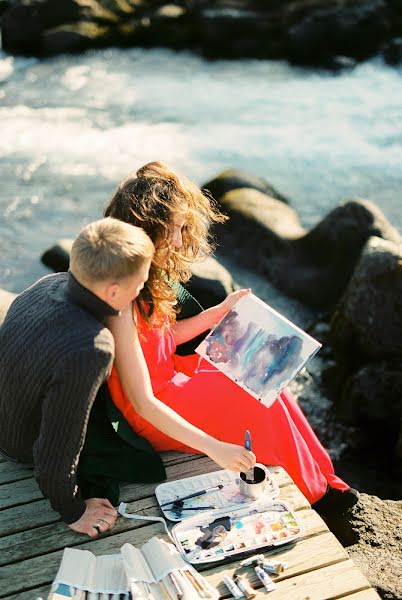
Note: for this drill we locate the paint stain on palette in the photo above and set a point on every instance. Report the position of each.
(225, 535)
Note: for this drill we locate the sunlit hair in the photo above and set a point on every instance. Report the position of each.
(150, 199)
(109, 249)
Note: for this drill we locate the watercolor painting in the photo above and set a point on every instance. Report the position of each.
(258, 348)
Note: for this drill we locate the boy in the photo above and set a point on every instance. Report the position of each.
(55, 353)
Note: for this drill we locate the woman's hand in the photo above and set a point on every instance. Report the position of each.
(230, 456)
(229, 302)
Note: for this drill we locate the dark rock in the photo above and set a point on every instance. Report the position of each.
(4, 5)
(367, 325)
(24, 23)
(372, 400)
(393, 52)
(355, 29)
(314, 266)
(233, 179)
(313, 32)
(210, 283)
(5, 300)
(58, 256)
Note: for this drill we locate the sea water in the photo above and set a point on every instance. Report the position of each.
(73, 126)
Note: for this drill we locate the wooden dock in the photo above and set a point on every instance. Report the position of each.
(32, 539)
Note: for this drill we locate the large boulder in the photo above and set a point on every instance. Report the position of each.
(367, 324)
(366, 335)
(233, 179)
(265, 234)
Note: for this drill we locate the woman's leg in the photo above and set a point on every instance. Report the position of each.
(281, 435)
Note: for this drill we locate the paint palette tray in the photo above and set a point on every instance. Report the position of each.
(226, 494)
(228, 534)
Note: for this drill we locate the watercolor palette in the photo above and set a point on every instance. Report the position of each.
(218, 536)
(228, 496)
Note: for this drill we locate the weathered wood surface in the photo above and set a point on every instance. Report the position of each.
(32, 539)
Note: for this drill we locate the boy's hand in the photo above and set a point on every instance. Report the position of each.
(98, 517)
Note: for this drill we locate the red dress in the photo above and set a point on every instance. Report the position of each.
(209, 400)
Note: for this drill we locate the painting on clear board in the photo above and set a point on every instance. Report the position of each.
(258, 348)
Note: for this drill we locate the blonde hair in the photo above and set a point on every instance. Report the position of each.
(109, 249)
(150, 198)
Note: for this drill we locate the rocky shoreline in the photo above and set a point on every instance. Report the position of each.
(324, 33)
(350, 391)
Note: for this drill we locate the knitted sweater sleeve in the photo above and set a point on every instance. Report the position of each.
(65, 412)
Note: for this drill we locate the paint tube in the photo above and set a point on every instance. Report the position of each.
(256, 558)
(232, 587)
(265, 579)
(244, 585)
(273, 567)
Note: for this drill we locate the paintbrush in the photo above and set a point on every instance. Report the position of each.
(193, 495)
(248, 446)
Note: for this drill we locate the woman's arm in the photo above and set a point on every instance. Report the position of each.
(133, 372)
(186, 329)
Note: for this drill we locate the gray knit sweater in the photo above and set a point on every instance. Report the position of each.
(55, 352)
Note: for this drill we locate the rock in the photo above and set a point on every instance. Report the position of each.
(58, 256)
(313, 32)
(330, 251)
(313, 266)
(232, 179)
(393, 51)
(367, 325)
(5, 300)
(378, 552)
(372, 400)
(210, 283)
(355, 29)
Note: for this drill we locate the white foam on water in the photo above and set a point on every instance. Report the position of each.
(73, 126)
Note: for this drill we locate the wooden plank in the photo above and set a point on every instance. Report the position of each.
(41, 570)
(327, 583)
(27, 490)
(33, 513)
(370, 594)
(41, 540)
(10, 472)
(304, 556)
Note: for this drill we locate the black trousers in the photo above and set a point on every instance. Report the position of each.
(114, 453)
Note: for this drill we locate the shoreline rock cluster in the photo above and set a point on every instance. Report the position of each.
(325, 33)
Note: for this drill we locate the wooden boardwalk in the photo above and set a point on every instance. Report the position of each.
(32, 539)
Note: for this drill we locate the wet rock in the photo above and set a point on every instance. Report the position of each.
(354, 29)
(5, 300)
(314, 32)
(367, 325)
(393, 51)
(233, 179)
(58, 256)
(313, 266)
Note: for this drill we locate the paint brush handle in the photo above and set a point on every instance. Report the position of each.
(248, 446)
(193, 495)
(247, 440)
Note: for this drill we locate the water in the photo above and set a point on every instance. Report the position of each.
(73, 126)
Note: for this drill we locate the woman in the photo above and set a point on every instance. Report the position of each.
(177, 216)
